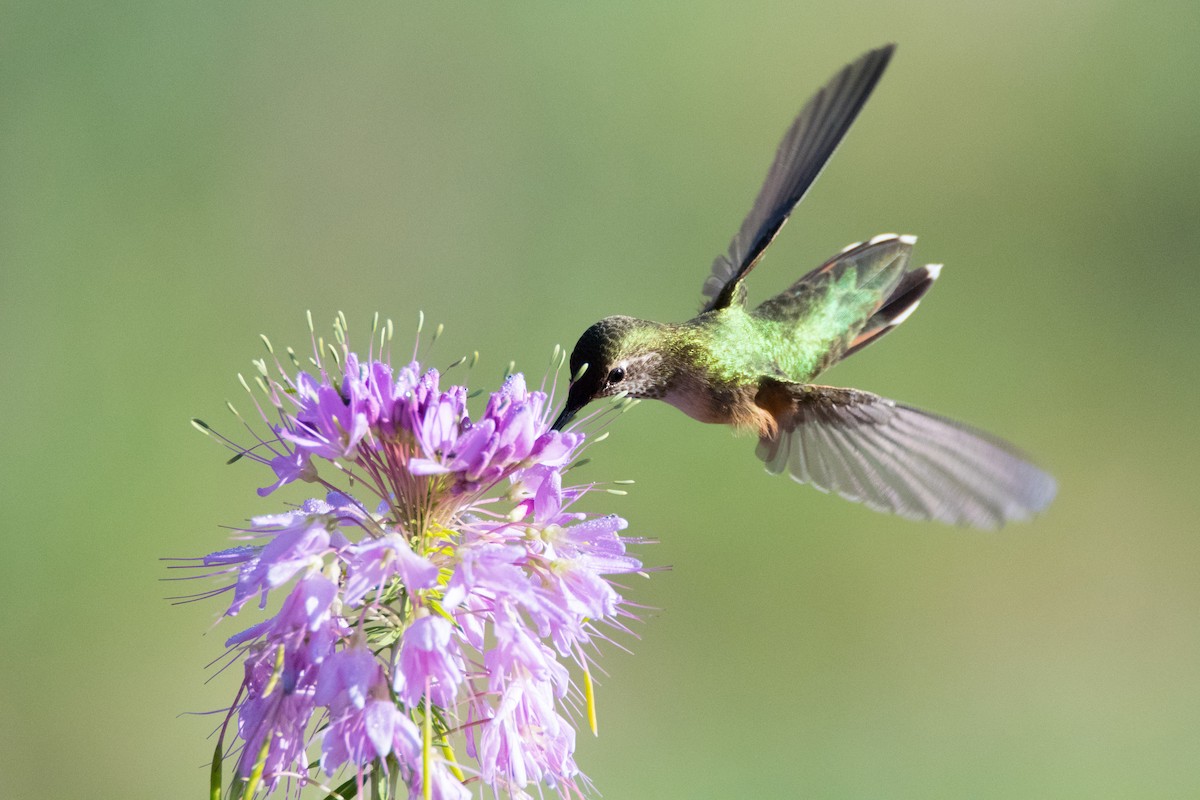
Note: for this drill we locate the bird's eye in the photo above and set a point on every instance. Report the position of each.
(616, 375)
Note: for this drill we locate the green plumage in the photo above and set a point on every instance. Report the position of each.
(795, 335)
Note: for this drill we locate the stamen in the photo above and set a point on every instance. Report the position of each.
(589, 694)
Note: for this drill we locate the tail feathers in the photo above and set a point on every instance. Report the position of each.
(899, 305)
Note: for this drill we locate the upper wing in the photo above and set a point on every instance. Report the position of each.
(802, 154)
(900, 460)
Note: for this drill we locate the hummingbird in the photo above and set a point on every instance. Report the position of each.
(753, 368)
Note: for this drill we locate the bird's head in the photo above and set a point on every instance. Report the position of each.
(616, 355)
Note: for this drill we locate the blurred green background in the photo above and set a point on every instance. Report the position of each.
(177, 178)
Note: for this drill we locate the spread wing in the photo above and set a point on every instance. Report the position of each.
(897, 459)
(801, 156)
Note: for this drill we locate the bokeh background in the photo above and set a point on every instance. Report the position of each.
(177, 178)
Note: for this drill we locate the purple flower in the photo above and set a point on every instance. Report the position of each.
(520, 652)
(276, 712)
(364, 735)
(325, 425)
(294, 466)
(489, 569)
(510, 755)
(386, 393)
(391, 730)
(438, 423)
(305, 621)
(375, 562)
(365, 724)
(284, 656)
(430, 662)
(299, 540)
(511, 433)
(347, 677)
(443, 786)
(441, 591)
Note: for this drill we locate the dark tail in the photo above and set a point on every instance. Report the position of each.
(902, 302)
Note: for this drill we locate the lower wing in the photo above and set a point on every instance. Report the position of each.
(897, 459)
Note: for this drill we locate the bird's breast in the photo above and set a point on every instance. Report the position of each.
(720, 405)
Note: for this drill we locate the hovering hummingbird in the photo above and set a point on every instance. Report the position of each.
(752, 369)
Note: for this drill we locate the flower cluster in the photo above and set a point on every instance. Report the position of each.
(432, 598)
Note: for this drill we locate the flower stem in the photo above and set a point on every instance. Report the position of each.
(426, 745)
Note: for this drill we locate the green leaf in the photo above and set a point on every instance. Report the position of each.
(345, 791)
(214, 775)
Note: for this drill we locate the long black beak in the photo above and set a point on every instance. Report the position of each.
(566, 416)
(578, 396)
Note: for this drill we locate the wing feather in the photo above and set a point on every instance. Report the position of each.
(807, 145)
(901, 460)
